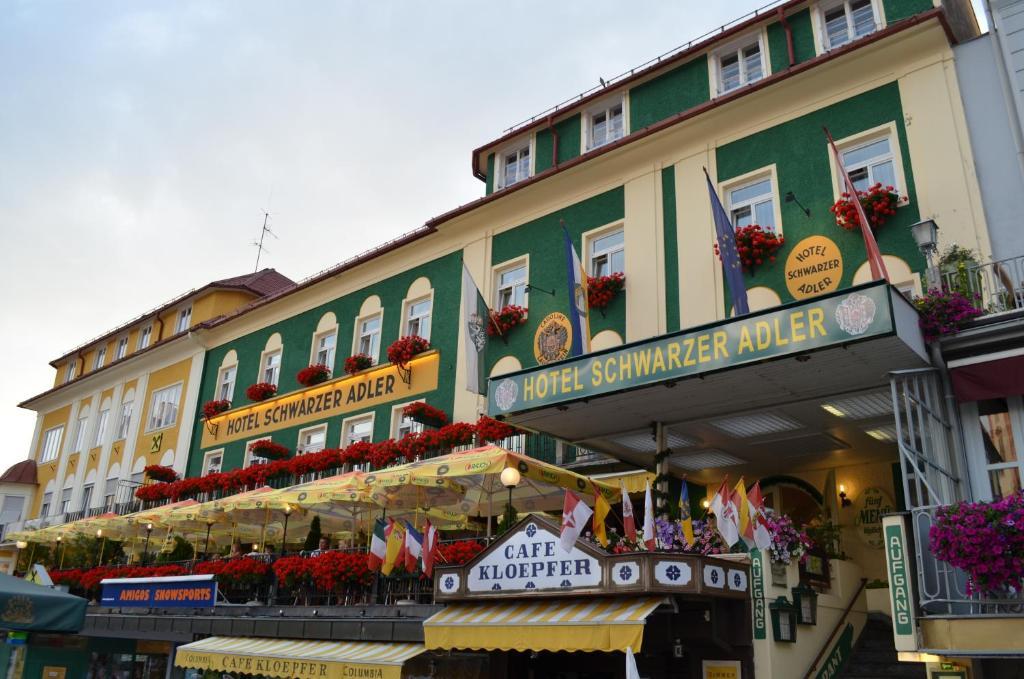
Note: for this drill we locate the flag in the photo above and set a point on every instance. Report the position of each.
(631, 671)
(739, 498)
(762, 536)
(628, 522)
(378, 546)
(649, 539)
(429, 548)
(393, 551)
(575, 514)
(413, 547)
(476, 316)
(726, 234)
(725, 514)
(878, 270)
(601, 510)
(685, 520)
(579, 307)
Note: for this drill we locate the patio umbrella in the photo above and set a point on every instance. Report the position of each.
(26, 606)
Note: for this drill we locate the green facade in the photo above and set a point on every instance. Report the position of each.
(896, 10)
(670, 93)
(803, 41)
(671, 237)
(569, 133)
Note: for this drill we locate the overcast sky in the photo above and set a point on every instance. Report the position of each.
(141, 142)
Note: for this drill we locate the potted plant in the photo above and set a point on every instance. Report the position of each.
(269, 450)
(313, 375)
(945, 312)
(602, 290)
(425, 414)
(212, 409)
(879, 203)
(260, 391)
(755, 246)
(506, 319)
(357, 363)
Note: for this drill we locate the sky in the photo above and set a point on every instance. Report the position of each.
(141, 142)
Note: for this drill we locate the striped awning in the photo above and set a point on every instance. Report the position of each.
(590, 624)
(300, 659)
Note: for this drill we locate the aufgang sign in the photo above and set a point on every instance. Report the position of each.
(532, 559)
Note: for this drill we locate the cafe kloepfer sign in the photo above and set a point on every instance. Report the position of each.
(858, 314)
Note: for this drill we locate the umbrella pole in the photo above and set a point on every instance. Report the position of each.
(206, 551)
(31, 556)
(62, 553)
(102, 545)
(490, 513)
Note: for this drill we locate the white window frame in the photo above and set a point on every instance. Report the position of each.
(230, 393)
(49, 444)
(249, 457)
(863, 138)
(81, 425)
(70, 370)
(110, 498)
(264, 358)
(145, 335)
(977, 462)
(500, 170)
(124, 421)
(184, 319)
(300, 448)
(505, 267)
(358, 336)
(407, 319)
(46, 504)
(332, 352)
(87, 491)
(397, 418)
(155, 426)
(821, 42)
(604, 106)
(101, 428)
(348, 422)
(734, 47)
(590, 237)
(210, 453)
(122, 348)
(65, 500)
(101, 358)
(759, 175)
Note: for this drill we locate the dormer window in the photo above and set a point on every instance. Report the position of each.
(101, 358)
(144, 336)
(72, 369)
(740, 66)
(184, 320)
(605, 123)
(514, 165)
(122, 349)
(846, 21)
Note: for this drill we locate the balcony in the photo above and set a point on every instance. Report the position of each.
(998, 285)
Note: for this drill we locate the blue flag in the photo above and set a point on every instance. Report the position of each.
(579, 307)
(727, 251)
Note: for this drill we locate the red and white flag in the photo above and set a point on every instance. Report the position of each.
(726, 514)
(429, 547)
(649, 539)
(628, 522)
(762, 536)
(575, 514)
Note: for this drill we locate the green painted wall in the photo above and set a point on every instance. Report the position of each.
(297, 334)
(569, 135)
(800, 153)
(490, 174)
(896, 10)
(543, 240)
(677, 90)
(803, 40)
(668, 211)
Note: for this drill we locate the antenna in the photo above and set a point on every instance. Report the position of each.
(260, 249)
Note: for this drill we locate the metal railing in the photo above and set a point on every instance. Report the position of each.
(999, 284)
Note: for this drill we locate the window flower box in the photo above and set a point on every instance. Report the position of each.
(269, 450)
(260, 391)
(358, 363)
(945, 312)
(313, 375)
(402, 351)
(504, 320)
(755, 246)
(425, 414)
(160, 473)
(602, 290)
(212, 409)
(879, 203)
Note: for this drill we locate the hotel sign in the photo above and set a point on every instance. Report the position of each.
(336, 397)
(795, 328)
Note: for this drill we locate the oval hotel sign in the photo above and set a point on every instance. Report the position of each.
(814, 267)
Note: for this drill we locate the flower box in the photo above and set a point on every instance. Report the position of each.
(358, 363)
(160, 473)
(602, 290)
(425, 414)
(260, 391)
(945, 312)
(212, 409)
(313, 375)
(506, 319)
(269, 450)
(404, 349)
(755, 246)
(879, 203)
(490, 430)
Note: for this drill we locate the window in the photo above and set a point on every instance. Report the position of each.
(740, 67)
(312, 440)
(515, 166)
(369, 337)
(325, 344)
(163, 411)
(358, 429)
(101, 428)
(607, 254)
(226, 383)
(417, 320)
(80, 427)
(251, 459)
(109, 493)
(86, 497)
(122, 348)
(213, 461)
(605, 124)
(871, 163)
(184, 320)
(101, 358)
(271, 370)
(65, 501)
(44, 508)
(12, 509)
(402, 425)
(72, 368)
(1001, 443)
(753, 203)
(125, 421)
(848, 21)
(51, 444)
(511, 287)
(144, 337)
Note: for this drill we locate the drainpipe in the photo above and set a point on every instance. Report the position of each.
(554, 141)
(789, 36)
(81, 357)
(161, 322)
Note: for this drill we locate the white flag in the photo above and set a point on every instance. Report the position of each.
(631, 671)
(726, 514)
(575, 514)
(649, 519)
(628, 522)
(475, 317)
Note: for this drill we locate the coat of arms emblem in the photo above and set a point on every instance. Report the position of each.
(855, 314)
(553, 339)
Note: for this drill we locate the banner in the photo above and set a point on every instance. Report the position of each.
(185, 591)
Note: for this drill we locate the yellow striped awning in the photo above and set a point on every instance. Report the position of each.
(635, 481)
(299, 659)
(541, 625)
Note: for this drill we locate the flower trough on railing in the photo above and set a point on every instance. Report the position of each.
(260, 391)
(269, 450)
(420, 412)
(156, 472)
(945, 312)
(313, 375)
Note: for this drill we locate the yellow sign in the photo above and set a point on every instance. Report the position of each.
(814, 267)
(158, 442)
(283, 667)
(720, 669)
(553, 338)
(872, 505)
(336, 397)
(50, 672)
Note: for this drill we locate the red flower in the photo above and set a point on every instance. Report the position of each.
(459, 553)
(212, 409)
(491, 430)
(260, 391)
(879, 202)
(754, 245)
(602, 290)
(504, 320)
(269, 450)
(403, 349)
(159, 473)
(421, 412)
(357, 363)
(313, 375)
(457, 434)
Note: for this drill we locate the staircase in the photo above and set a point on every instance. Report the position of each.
(874, 655)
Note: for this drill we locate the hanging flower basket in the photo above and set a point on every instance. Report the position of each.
(879, 203)
(260, 391)
(269, 450)
(212, 409)
(602, 290)
(945, 312)
(506, 319)
(425, 414)
(358, 363)
(491, 431)
(403, 350)
(156, 472)
(313, 375)
(755, 246)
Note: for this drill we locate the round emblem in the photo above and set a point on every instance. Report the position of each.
(531, 530)
(442, 470)
(505, 394)
(303, 496)
(581, 484)
(855, 314)
(523, 467)
(814, 266)
(370, 478)
(553, 338)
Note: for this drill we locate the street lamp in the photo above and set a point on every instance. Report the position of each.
(145, 550)
(20, 544)
(99, 536)
(60, 544)
(926, 235)
(284, 537)
(510, 478)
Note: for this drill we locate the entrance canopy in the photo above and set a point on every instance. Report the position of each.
(590, 624)
(808, 378)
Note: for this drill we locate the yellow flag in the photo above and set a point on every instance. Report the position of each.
(601, 509)
(743, 507)
(396, 540)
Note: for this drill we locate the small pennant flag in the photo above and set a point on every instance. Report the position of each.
(395, 547)
(378, 546)
(725, 514)
(628, 522)
(649, 539)
(762, 536)
(601, 511)
(739, 498)
(413, 547)
(685, 520)
(429, 549)
(575, 514)
(476, 317)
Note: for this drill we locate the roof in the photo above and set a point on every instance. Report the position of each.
(23, 472)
